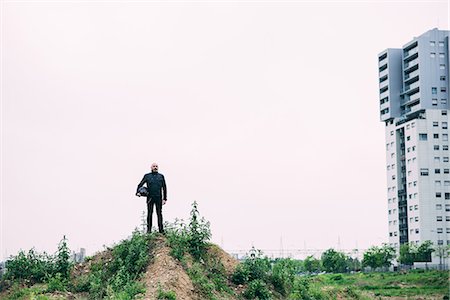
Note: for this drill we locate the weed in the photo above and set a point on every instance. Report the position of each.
(257, 289)
(165, 295)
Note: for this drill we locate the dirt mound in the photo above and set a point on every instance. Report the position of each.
(166, 273)
(229, 262)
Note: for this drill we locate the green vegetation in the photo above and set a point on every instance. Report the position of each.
(33, 267)
(389, 284)
(117, 278)
(379, 257)
(189, 243)
(117, 272)
(114, 278)
(165, 295)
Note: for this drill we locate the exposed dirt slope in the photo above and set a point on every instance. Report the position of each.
(166, 273)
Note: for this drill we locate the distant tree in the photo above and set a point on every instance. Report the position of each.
(354, 264)
(407, 253)
(311, 264)
(334, 261)
(442, 252)
(379, 257)
(423, 252)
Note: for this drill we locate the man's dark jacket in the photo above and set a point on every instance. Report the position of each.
(155, 182)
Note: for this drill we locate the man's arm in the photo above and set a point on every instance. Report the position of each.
(140, 184)
(164, 187)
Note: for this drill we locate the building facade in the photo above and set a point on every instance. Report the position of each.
(414, 106)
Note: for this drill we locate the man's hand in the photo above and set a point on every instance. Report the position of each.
(164, 201)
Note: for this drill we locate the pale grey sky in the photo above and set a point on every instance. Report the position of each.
(265, 113)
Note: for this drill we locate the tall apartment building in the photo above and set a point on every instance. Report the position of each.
(414, 105)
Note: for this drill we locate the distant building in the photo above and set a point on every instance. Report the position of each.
(414, 106)
(79, 257)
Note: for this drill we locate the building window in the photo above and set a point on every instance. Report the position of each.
(445, 137)
(445, 159)
(417, 230)
(443, 101)
(416, 207)
(442, 66)
(438, 195)
(434, 102)
(441, 55)
(444, 147)
(432, 43)
(437, 171)
(413, 148)
(432, 55)
(435, 124)
(411, 208)
(437, 159)
(416, 219)
(439, 230)
(440, 242)
(434, 90)
(444, 112)
(438, 206)
(437, 183)
(447, 183)
(439, 218)
(443, 89)
(423, 136)
(436, 135)
(447, 196)
(446, 171)
(408, 138)
(442, 78)
(392, 132)
(447, 218)
(436, 147)
(413, 123)
(447, 207)
(424, 172)
(444, 125)
(441, 44)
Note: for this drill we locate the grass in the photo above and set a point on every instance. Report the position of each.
(389, 284)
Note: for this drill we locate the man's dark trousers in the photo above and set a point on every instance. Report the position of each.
(157, 201)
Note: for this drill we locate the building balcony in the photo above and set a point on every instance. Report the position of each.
(383, 73)
(412, 86)
(408, 65)
(411, 75)
(384, 94)
(407, 54)
(384, 84)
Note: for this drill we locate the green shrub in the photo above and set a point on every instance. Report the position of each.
(189, 238)
(165, 295)
(283, 275)
(241, 274)
(57, 283)
(200, 280)
(31, 267)
(257, 289)
(117, 279)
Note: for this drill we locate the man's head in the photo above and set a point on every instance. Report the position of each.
(154, 167)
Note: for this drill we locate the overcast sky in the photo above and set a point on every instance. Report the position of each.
(265, 113)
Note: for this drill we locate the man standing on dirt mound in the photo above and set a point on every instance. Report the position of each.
(157, 196)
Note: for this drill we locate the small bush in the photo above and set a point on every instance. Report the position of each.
(166, 295)
(57, 283)
(240, 275)
(257, 289)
